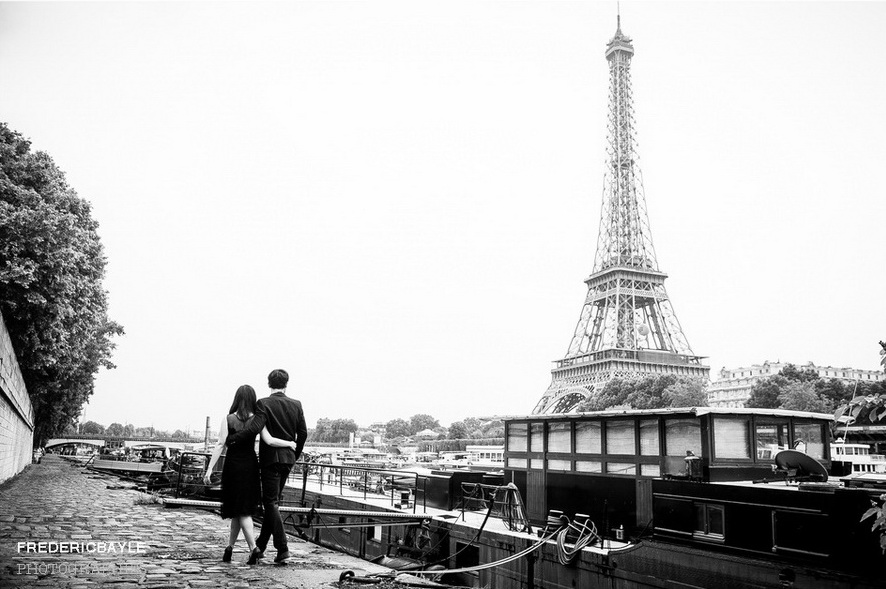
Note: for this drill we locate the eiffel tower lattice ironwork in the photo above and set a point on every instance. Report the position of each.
(627, 327)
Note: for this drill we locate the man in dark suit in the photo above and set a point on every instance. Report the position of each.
(284, 419)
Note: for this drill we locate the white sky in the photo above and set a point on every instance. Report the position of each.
(398, 201)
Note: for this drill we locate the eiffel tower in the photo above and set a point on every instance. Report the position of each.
(627, 327)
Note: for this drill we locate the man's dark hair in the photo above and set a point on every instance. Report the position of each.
(277, 379)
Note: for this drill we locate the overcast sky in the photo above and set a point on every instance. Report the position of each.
(398, 202)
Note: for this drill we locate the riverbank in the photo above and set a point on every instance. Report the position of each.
(96, 531)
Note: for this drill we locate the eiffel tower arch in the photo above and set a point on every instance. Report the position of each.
(627, 328)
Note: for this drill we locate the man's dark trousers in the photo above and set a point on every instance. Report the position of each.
(273, 479)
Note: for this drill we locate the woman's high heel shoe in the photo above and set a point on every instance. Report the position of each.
(254, 556)
(226, 557)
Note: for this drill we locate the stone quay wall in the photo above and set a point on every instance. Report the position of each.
(16, 412)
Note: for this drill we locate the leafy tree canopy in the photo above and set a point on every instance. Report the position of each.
(802, 396)
(115, 429)
(791, 372)
(51, 296)
(422, 421)
(650, 392)
(91, 427)
(765, 392)
(396, 428)
(474, 428)
(781, 391)
(334, 431)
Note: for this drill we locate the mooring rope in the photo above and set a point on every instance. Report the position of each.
(538, 544)
(586, 535)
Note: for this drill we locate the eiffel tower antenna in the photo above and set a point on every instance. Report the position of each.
(627, 327)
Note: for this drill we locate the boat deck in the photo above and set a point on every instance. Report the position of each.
(471, 519)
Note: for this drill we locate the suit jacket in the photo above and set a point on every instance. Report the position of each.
(284, 419)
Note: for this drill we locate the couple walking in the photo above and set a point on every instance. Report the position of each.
(248, 484)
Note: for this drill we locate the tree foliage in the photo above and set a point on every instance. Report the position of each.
(115, 429)
(866, 409)
(334, 431)
(878, 512)
(396, 428)
(765, 392)
(802, 396)
(91, 427)
(474, 428)
(650, 392)
(800, 390)
(422, 421)
(791, 372)
(51, 296)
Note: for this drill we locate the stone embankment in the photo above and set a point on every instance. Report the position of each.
(132, 542)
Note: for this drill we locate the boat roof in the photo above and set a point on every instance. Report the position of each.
(699, 411)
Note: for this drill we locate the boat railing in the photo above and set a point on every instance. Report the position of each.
(403, 489)
(400, 487)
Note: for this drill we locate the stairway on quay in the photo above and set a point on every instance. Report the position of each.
(142, 543)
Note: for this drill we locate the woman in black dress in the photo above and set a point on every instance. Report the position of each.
(240, 484)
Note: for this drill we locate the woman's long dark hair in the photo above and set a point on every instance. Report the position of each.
(244, 402)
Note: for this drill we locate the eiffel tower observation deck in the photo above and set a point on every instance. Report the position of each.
(628, 328)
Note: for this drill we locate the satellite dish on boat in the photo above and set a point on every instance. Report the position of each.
(643, 329)
(804, 465)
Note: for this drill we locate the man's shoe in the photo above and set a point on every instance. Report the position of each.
(226, 557)
(282, 556)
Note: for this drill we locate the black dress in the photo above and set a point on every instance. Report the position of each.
(240, 484)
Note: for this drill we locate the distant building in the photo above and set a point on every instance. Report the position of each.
(733, 388)
(378, 427)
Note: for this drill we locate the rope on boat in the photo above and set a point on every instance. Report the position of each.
(305, 510)
(586, 535)
(538, 544)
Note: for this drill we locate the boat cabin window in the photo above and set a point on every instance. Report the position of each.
(588, 438)
(731, 439)
(812, 435)
(374, 534)
(621, 468)
(536, 437)
(649, 445)
(620, 437)
(682, 440)
(709, 522)
(771, 438)
(588, 466)
(517, 437)
(560, 436)
(682, 435)
(650, 470)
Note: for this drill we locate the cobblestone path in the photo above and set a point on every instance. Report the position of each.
(57, 501)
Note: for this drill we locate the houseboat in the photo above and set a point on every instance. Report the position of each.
(149, 459)
(474, 457)
(859, 457)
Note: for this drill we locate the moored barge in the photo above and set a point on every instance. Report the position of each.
(679, 498)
